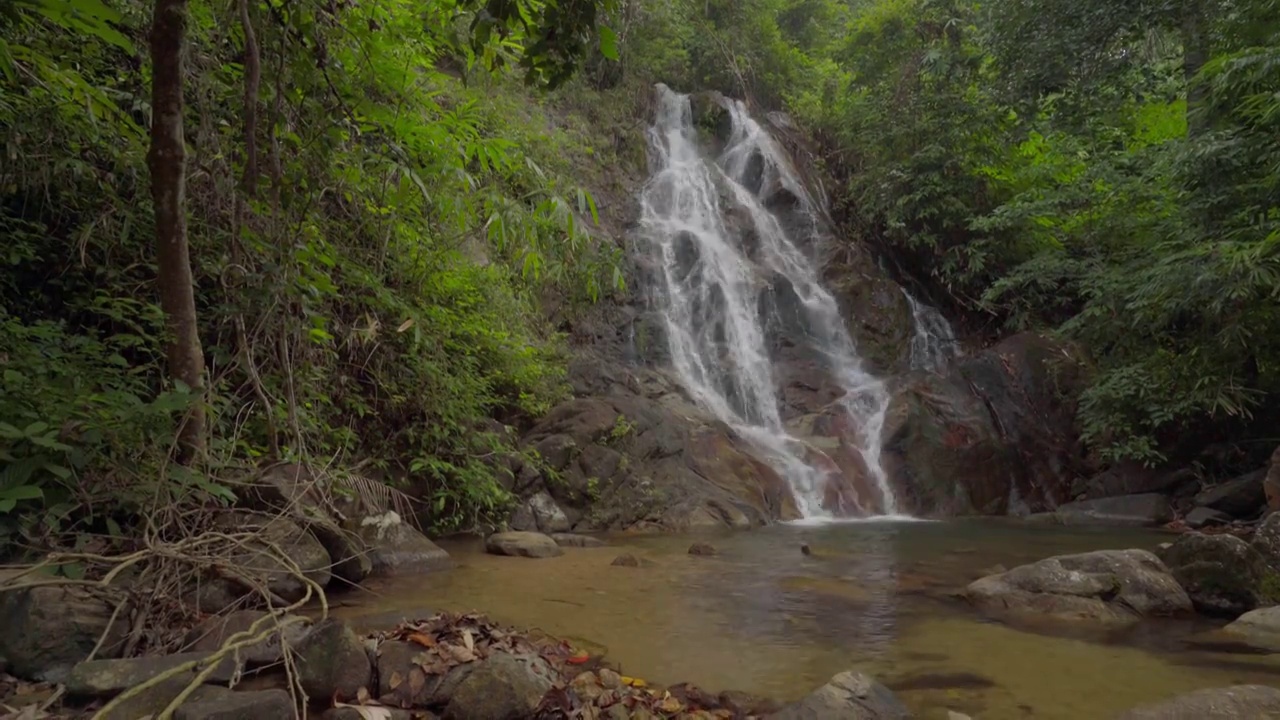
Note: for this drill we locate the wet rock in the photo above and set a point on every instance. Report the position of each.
(701, 548)
(1271, 485)
(1258, 628)
(1114, 586)
(540, 513)
(847, 696)
(1242, 497)
(743, 704)
(396, 548)
(1206, 517)
(1222, 574)
(1266, 540)
(107, 678)
(47, 630)
(1229, 703)
(218, 703)
(209, 635)
(331, 660)
(578, 541)
(522, 544)
(1147, 510)
(629, 560)
(402, 681)
(501, 687)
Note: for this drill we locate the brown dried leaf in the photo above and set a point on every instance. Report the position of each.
(396, 679)
(422, 639)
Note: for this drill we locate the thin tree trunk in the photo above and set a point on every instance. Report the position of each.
(167, 162)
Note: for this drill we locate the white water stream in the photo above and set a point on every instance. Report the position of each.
(722, 251)
(933, 342)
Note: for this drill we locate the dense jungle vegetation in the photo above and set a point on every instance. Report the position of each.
(381, 196)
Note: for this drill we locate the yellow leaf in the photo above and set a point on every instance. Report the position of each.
(634, 682)
(395, 680)
(405, 325)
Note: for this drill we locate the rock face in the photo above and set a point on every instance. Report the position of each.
(49, 629)
(991, 429)
(1112, 586)
(847, 696)
(501, 687)
(1222, 573)
(1239, 702)
(1149, 509)
(522, 544)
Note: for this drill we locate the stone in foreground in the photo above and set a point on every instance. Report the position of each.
(217, 703)
(332, 661)
(1258, 628)
(1222, 573)
(522, 544)
(105, 678)
(1239, 702)
(47, 630)
(1113, 586)
(501, 687)
(213, 632)
(847, 696)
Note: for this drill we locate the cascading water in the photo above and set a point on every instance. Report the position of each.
(724, 253)
(933, 342)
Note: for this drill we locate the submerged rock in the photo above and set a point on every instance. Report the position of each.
(847, 696)
(701, 548)
(578, 541)
(1115, 586)
(629, 560)
(1239, 702)
(522, 544)
(1222, 574)
(1258, 628)
(44, 631)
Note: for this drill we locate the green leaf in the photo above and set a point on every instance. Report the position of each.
(608, 43)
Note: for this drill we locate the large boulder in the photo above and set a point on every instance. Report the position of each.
(847, 696)
(210, 635)
(108, 678)
(48, 629)
(1223, 574)
(540, 513)
(1266, 540)
(258, 562)
(1239, 702)
(1110, 586)
(396, 548)
(1243, 497)
(1130, 478)
(1149, 509)
(332, 660)
(501, 687)
(1271, 484)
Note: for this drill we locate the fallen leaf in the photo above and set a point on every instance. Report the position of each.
(396, 679)
(368, 713)
(468, 641)
(423, 640)
(362, 695)
(634, 682)
(578, 658)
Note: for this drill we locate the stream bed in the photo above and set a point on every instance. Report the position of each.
(762, 617)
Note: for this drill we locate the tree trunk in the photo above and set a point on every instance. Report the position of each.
(1195, 52)
(167, 162)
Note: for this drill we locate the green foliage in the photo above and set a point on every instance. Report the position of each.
(372, 293)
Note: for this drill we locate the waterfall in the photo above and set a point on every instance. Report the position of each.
(933, 342)
(726, 234)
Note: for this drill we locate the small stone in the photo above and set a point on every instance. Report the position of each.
(332, 661)
(609, 679)
(522, 544)
(218, 703)
(849, 696)
(578, 541)
(701, 549)
(104, 678)
(804, 549)
(587, 686)
(629, 560)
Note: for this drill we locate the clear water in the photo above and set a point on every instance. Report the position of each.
(933, 342)
(725, 255)
(763, 618)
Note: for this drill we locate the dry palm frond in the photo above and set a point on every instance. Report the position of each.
(378, 495)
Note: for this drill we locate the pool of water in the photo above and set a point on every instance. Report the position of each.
(760, 616)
